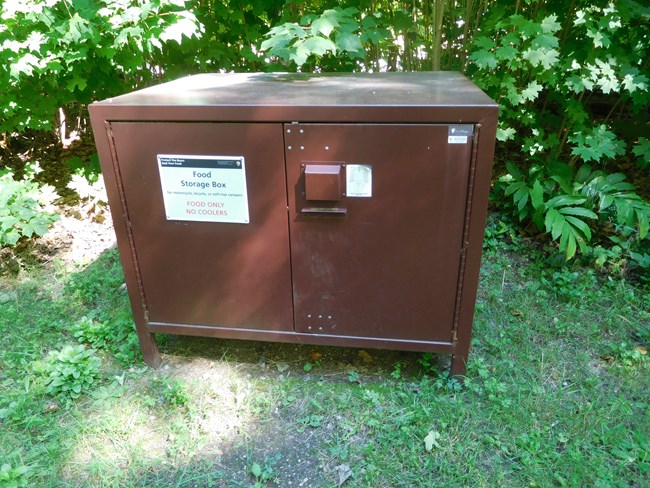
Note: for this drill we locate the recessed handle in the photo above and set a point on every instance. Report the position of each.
(333, 211)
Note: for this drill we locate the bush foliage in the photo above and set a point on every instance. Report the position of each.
(571, 79)
(22, 214)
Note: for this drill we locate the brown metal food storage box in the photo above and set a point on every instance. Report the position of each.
(343, 209)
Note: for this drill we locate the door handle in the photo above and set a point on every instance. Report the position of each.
(327, 211)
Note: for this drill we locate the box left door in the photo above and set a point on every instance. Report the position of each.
(227, 264)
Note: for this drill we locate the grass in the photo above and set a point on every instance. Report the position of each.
(557, 393)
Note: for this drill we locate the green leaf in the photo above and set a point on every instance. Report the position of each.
(550, 25)
(514, 170)
(579, 211)
(506, 53)
(542, 56)
(531, 91)
(549, 220)
(563, 200)
(186, 26)
(642, 219)
(632, 81)
(571, 246)
(318, 46)
(299, 55)
(642, 151)
(484, 42)
(581, 225)
(256, 470)
(349, 43)
(558, 225)
(75, 82)
(537, 195)
(484, 59)
(431, 439)
(514, 187)
(545, 41)
(521, 198)
(605, 202)
(595, 144)
(505, 134)
(326, 23)
(11, 237)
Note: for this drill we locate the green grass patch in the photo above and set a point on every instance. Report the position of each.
(556, 394)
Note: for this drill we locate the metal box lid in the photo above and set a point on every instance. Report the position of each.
(352, 97)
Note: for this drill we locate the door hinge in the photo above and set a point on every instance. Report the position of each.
(454, 336)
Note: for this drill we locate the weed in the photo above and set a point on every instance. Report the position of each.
(14, 477)
(397, 371)
(353, 376)
(116, 336)
(629, 355)
(172, 391)
(314, 421)
(264, 473)
(71, 371)
(426, 362)
(570, 285)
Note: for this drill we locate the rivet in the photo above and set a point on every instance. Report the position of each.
(302, 131)
(309, 328)
(289, 148)
(320, 316)
(288, 131)
(327, 148)
(320, 328)
(309, 316)
(329, 317)
(302, 148)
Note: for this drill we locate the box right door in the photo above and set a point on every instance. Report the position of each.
(383, 259)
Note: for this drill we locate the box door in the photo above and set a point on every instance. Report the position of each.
(377, 214)
(227, 263)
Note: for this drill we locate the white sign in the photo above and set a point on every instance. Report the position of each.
(457, 140)
(204, 188)
(358, 180)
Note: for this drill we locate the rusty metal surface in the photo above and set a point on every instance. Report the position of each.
(389, 267)
(204, 272)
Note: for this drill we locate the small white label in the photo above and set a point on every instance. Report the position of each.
(457, 139)
(358, 180)
(204, 188)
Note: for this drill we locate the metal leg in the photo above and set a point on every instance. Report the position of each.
(149, 349)
(458, 364)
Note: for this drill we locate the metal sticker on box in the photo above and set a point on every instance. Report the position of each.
(459, 134)
(358, 180)
(204, 188)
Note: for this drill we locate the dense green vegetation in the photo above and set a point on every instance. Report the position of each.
(556, 392)
(571, 79)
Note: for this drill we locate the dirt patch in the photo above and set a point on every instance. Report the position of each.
(70, 243)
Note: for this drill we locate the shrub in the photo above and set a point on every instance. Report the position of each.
(21, 213)
(71, 370)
